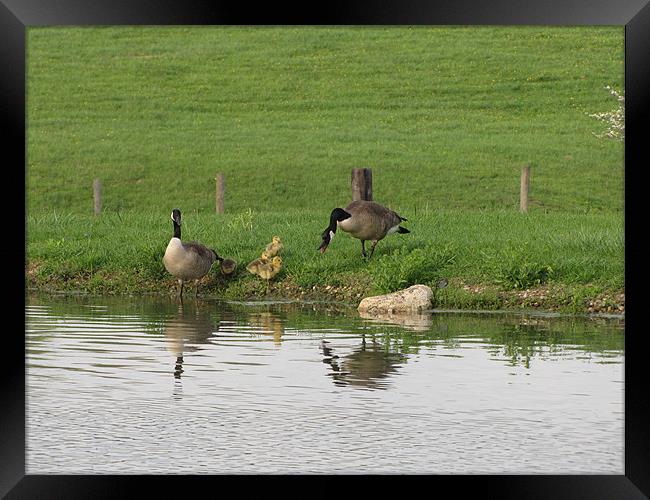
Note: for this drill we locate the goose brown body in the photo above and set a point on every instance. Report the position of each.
(369, 221)
(364, 220)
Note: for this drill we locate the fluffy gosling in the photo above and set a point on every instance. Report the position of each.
(274, 248)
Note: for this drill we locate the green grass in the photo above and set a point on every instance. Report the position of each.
(445, 116)
(123, 252)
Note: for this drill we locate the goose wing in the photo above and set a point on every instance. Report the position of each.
(200, 252)
(372, 218)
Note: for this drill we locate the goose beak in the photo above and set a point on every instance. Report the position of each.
(327, 238)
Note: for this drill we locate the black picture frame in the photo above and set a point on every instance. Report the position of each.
(634, 15)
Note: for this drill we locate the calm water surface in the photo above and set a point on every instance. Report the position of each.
(142, 386)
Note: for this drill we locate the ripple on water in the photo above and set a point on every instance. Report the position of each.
(136, 387)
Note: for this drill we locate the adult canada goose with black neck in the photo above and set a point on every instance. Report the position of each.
(364, 220)
(187, 260)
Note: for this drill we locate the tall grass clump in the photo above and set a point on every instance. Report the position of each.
(518, 267)
(406, 267)
(521, 275)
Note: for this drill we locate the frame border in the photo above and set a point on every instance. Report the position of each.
(634, 15)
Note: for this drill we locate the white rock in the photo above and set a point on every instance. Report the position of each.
(413, 299)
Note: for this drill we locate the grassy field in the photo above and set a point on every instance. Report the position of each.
(445, 117)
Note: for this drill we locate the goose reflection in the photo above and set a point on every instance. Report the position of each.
(190, 327)
(368, 366)
(268, 323)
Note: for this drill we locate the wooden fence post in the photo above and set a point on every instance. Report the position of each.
(219, 194)
(97, 195)
(523, 191)
(361, 184)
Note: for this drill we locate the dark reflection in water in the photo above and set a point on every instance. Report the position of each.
(281, 382)
(367, 366)
(184, 333)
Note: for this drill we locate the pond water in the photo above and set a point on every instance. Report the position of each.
(142, 385)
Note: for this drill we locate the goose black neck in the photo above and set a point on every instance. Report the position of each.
(333, 223)
(337, 215)
(177, 230)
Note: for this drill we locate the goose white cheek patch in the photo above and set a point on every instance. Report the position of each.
(393, 229)
(332, 233)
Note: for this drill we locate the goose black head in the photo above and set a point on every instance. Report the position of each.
(337, 215)
(327, 237)
(176, 216)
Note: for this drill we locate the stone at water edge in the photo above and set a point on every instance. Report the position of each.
(412, 299)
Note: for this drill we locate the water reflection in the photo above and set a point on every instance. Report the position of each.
(266, 386)
(367, 366)
(268, 323)
(415, 321)
(184, 333)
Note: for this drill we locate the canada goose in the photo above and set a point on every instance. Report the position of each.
(189, 260)
(273, 248)
(364, 220)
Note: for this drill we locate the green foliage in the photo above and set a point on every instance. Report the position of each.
(516, 267)
(150, 264)
(522, 275)
(475, 246)
(458, 298)
(403, 268)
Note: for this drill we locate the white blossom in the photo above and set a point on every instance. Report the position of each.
(614, 119)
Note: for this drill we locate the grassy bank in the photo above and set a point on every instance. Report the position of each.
(445, 117)
(492, 259)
